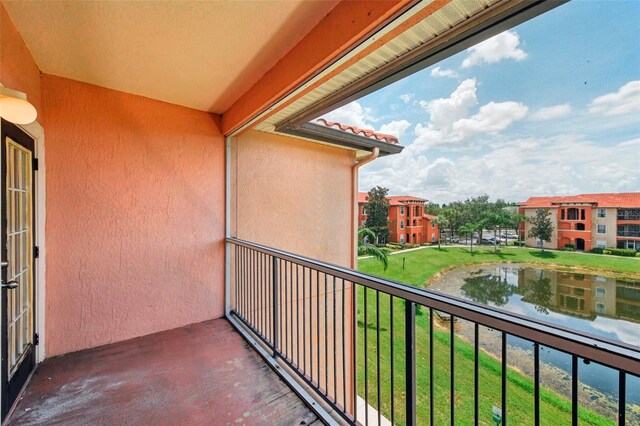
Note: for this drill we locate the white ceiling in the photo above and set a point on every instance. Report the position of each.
(202, 55)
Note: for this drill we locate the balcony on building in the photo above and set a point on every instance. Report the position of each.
(194, 221)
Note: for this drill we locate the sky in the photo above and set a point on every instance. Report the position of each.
(550, 107)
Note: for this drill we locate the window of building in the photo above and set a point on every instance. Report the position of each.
(600, 308)
(562, 214)
(600, 291)
(572, 214)
(602, 229)
(402, 238)
(602, 213)
(364, 209)
(402, 224)
(582, 214)
(401, 209)
(601, 244)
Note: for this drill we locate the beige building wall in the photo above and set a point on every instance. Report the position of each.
(297, 196)
(531, 242)
(610, 221)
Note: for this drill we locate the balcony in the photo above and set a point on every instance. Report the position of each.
(633, 234)
(188, 375)
(314, 320)
(299, 315)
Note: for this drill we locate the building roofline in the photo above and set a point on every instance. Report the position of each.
(334, 136)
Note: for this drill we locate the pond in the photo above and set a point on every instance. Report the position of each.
(595, 304)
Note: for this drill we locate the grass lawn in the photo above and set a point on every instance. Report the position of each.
(420, 265)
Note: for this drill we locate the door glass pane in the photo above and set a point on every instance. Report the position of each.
(19, 251)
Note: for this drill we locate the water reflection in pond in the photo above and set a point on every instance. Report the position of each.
(603, 306)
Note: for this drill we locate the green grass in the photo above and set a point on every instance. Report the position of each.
(420, 265)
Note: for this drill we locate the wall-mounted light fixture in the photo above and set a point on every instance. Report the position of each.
(15, 108)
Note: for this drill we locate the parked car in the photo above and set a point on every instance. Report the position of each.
(453, 240)
(487, 240)
(510, 236)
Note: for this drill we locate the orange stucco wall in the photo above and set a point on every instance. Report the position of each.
(293, 195)
(18, 70)
(296, 196)
(135, 215)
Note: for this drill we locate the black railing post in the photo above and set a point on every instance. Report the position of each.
(410, 346)
(274, 279)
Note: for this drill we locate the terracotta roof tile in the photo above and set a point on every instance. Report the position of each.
(429, 216)
(394, 200)
(624, 199)
(371, 134)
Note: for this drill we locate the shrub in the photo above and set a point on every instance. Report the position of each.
(519, 243)
(597, 250)
(620, 252)
(570, 247)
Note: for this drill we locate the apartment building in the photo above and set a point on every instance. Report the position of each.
(589, 220)
(408, 223)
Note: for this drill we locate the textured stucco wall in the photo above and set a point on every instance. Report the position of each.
(531, 242)
(610, 222)
(135, 215)
(18, 70)
(297, 196)
(293, 195)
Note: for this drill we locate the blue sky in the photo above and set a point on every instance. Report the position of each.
(550, 107)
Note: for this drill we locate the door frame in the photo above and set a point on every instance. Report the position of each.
(36, 131)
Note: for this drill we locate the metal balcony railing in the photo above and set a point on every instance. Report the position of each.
(628, 233)
(320, 325)
(629, 216)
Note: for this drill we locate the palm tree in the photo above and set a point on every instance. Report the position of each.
(470, 228)
(365, 248)
(452, 216)
(440, 221)
(517, 220)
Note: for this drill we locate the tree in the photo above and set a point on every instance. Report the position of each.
(378, 212)
(541, 226)
(492, 220)
(470, 228)
(440, 221)
(487, 288)
(365, 248)
(516, 220)
(452, 216)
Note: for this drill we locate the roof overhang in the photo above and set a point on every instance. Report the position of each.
(332, 136)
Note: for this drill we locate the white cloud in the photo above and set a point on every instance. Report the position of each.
(439, 72)
(491, 118)
(513, 169)
(499, 47)
(395, 128)
(624, 101)
(450, 124)
(630, 142)
(626, 331)
(407, 97)
(440, 173)
(353, 114)
(444, 111)
(550, 113)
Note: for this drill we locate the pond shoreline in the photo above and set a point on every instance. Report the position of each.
(539, 265)
(494, 277)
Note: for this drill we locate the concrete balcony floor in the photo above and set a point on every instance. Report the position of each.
(201, 374)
